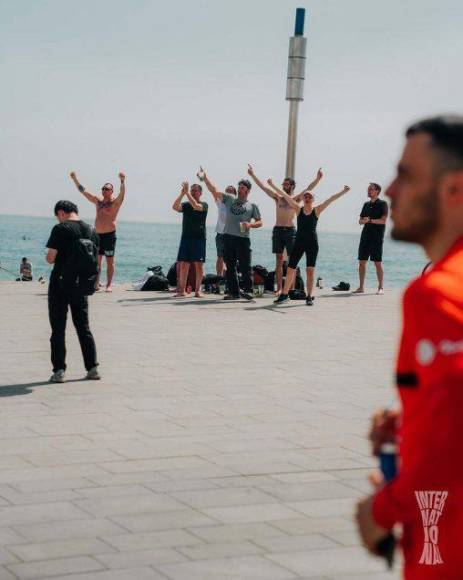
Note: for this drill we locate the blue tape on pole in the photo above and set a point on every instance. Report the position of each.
(300, 16)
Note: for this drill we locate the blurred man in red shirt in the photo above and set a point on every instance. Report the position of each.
(426, 496)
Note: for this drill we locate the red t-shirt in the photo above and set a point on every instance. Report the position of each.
(426, 497)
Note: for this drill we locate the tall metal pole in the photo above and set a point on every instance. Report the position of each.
(295, 87)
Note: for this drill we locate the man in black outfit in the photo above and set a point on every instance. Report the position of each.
(373, 218)
(60, 248)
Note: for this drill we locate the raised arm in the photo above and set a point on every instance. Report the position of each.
(312, 185)
(218, 195)
(319, 208)
(90, 196)
(177, 205)
(262, 185)
(120, 198)
(280, 193)
(192, 201)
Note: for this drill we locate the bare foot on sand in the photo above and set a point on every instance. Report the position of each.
(359, 291)
(109, 289)
(199, 295)
(179, 295)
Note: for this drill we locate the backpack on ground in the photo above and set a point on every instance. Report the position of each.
(80, 271)
(260, 275)
(157, 282)
(172, 275)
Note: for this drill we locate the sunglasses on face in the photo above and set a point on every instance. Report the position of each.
(106, 189)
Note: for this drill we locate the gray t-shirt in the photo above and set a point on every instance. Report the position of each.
(238, 212)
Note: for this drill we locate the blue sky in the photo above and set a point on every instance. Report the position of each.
(156, 88)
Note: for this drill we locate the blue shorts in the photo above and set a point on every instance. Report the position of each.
(192, 250)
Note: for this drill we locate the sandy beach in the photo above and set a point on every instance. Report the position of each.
(226, 440)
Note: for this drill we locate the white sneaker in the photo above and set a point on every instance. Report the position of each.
(57, 377)
(93, 374)
(380, 292)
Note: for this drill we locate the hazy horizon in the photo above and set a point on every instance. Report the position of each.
(157, 89)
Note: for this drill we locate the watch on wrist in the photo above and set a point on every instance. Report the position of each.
(81, 188)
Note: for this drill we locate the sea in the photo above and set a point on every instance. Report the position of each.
(142, 245)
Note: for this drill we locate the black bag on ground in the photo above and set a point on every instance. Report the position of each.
(270, 282)
(260, 275)
(172, 275)
(299, 281)
(80, 271)
(156, 270)
(156, 282)
(211, 283)
(297, 294)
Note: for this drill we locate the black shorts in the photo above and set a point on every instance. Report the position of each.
(192, 250)
(107, 244)
(219, 244)
(371, 248)
(301, 247)
(283, 238)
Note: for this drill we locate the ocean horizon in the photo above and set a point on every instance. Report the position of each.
(144, 244)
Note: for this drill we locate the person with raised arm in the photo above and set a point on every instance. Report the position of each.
(284, 230)
(242, 216)
(306, 238)
(192, 250)
(219, 228)
(107, 209)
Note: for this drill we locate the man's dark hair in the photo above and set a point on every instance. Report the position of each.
(245, 182)
(232, 187)
(24, 259)
(376, 186)
(200, 187)
(66, 206)
(291, 181)
(446, 134)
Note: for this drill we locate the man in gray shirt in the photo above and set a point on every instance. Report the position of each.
(242, 216)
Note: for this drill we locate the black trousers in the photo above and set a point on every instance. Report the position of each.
(238, 250)
(58, 303)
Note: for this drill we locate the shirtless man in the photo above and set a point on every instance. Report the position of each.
(107, 208)
(284, 231)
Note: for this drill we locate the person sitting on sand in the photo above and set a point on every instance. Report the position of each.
(25, 270)
(107, 208)
(192, 250)
(306, 239)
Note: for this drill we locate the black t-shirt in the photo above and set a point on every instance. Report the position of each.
(374, 210)
(62, 238)
(194, 221)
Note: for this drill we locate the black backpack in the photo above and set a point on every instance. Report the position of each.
(156, 282)
(80, 271)
(172, 275)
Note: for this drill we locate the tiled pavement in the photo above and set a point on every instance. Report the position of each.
(224, 441)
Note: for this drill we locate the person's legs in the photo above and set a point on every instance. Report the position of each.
(380, 274)
(230, 257)
(199, 267)
(279, 272)
(362, 274)
(79, 311)
(57, 313)
(310, 271)
(183, 268)
(219, 264)
(109, 272)
(244, 263)
(100, 265)
(290, 279)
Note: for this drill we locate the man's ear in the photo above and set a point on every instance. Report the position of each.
(451, 188)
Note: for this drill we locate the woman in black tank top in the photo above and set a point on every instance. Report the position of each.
(306, 240)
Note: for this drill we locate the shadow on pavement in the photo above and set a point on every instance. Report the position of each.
(27, 388)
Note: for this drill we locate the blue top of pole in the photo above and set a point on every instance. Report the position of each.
(300, 16)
